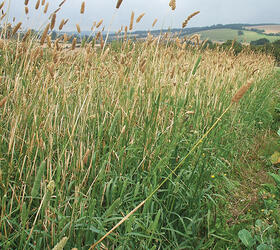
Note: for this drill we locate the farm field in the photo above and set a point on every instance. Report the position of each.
(151, 144)
(268, 29)
(222, 35)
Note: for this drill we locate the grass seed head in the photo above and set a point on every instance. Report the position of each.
(99, 23)
(82, 11)
(78, 28)
(46, 7)
(189, 18)
(119, 4)
(74, 42)
(26, 10)
(61, 24)
(1, 5)
(3, 101)
(241, 92)
(16, 28)
(26, 2)
(37, 4)
(154, 23)
(44, 35)
(140, 17)
(53, 21)
(131, 21)
(172, 4)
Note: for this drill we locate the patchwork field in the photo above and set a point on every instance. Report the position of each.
(222, 35)
(268, 29)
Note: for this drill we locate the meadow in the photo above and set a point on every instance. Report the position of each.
(155, 144)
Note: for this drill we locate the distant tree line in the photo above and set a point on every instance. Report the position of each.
(262, 45)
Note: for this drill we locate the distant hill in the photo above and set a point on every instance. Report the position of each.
(244, 33)
(243, 36)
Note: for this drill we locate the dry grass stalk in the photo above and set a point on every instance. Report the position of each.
(83, 7)
(37, 4)
(53, 21)
(99, 23)
(172, 4)
(51, 70)
(154, 23)
(16, 28)
(26, 10)
(3, 101)
(189, 18)
(1, 5)
(140, 17)
(46, 7)
(44, 35)
(240, 93)
(74, 42)
(26, 2)
(78, 28)
(119, 4)
(60, 27)
(131, 21)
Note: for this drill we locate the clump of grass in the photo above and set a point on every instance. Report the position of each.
(87, 134)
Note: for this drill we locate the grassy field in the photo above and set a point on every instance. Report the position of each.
(148, 145)
(222, 35)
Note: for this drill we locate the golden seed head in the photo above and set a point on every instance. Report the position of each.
(140, 17)
(61, 24)
(78, 28)
(26, 2)
(46, 8)
(99, 23)
(241, 92)
(37, 4)
(172, 4)
(74, 43)
(16, 28)
(83, 7)
(53, 21)
(131, 21)
(26, 10)
(2, 4)
(119, 3)
(3, 101)
(154, 23)
(43, 2)
(44, 35)
(189, 18)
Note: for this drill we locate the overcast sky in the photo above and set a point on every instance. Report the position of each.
(212, 12)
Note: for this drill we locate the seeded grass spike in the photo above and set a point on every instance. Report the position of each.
(241, 92)
(140, 17)
(82, 11)
(172, 4)
(189, 18)
(16, 28)
(119, 4)
(154, 23)
(131, 21)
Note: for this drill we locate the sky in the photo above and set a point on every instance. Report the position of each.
(211, 12)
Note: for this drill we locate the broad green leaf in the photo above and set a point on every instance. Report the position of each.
(246, 238)
(263, 247)
(276, 178)
(275, 158)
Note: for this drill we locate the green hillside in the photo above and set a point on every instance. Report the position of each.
(221, 35)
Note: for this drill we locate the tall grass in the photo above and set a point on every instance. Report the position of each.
(86, 136)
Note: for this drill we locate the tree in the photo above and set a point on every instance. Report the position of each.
(261, 41)
(240, 33)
